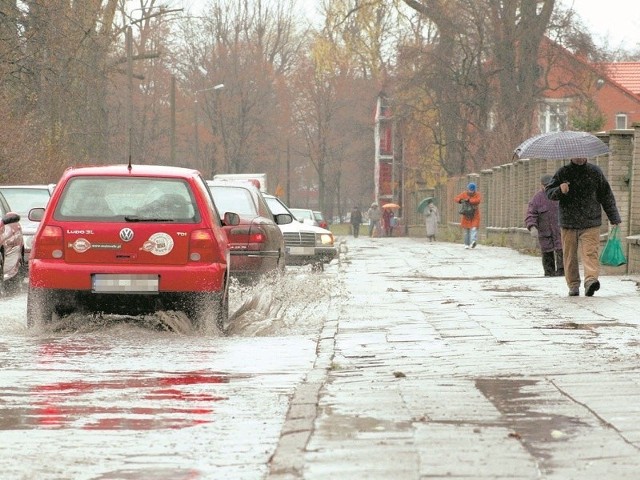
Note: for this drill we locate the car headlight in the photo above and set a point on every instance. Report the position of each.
(324, 239)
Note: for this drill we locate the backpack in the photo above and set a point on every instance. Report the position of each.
(467, 209)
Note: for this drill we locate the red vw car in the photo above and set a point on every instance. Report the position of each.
(130, 239)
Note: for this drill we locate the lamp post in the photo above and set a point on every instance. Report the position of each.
(195, 117)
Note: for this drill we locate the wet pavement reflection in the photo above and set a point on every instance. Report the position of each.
(120, 397)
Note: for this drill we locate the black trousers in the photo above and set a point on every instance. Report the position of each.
(552, 264)
(356, 229)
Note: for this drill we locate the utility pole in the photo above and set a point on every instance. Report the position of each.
(129, 48)
(129, 42)
(196, 121)
(173, 119)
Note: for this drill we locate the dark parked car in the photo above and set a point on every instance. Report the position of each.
(23, 198)
(130, 239)
(11, 244)
(256, 243)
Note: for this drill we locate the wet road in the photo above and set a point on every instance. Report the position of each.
(130, 398)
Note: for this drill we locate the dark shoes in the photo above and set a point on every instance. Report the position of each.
(574, 292)
(591, 287)
(473, 244)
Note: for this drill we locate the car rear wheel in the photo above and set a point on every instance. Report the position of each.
(206, 308)
(1, 273)
(282, 263)
(222, 309)
(40, 307)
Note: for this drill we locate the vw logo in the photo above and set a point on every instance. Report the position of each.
(126, 234)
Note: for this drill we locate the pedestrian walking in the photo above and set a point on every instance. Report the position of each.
(582, 191)
(469, 201)
(432, 219)
(374, 215)
(387, 218)
(356, 221)
(542, 221)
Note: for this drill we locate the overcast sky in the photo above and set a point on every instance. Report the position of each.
(615, 20)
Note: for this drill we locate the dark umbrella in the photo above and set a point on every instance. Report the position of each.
(562, 145)
(424, 202)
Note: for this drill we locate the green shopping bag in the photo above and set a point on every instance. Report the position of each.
(612, 253)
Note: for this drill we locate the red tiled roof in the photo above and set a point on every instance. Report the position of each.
(626, 74)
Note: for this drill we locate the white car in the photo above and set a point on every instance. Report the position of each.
(304, 244)
(305, 215)
(23, 198)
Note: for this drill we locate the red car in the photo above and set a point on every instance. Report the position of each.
(11, 244)
(130, 240)
(256, 243)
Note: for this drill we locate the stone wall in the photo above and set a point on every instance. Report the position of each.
(506, 190)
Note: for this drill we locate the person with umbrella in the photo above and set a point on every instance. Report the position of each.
(387, 218)
(542, 221)
(469, 214)
(582, 191)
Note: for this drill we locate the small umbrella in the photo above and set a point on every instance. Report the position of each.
(390, 206)
(424, 202)
(562, 145)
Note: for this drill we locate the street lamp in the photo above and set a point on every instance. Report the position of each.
(195, 116)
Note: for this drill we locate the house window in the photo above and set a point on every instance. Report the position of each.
(621, 121)
(553, 115)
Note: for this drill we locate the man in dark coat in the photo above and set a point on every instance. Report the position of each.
(583, 192)
(542, 222)
(356, 220)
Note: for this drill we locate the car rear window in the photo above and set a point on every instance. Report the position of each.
(233, 199)
(127, 199)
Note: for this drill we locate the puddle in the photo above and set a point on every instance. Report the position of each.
(585, 326)
(150, 402)
(529, 416)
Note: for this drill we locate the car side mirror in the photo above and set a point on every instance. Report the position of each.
(10, 217)
(36, 214)
(283, 218)
(231, 218)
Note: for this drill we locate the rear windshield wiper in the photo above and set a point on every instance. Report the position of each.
(135, 218)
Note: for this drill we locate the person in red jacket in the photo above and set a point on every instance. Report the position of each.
(470, 219)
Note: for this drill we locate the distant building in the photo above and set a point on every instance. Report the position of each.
(573, 86)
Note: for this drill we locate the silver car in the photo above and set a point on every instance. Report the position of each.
(23, 198)
(305, 244)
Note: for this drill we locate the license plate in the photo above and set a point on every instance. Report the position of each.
(123, 283)
(302, 250)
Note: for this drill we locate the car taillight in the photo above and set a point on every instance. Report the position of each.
(49, 243)
(246, 238)
(203, 247)
(257, 235)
